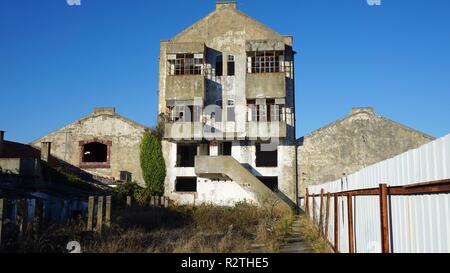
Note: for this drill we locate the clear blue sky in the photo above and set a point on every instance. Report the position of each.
(57, 62)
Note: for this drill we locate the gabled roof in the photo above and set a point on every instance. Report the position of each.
(358, 111)
(108, 111)
(229, 17)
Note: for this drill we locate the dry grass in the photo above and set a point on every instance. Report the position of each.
(203, 229)
(310, 233)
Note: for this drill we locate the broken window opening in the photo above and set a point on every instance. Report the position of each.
(219, 66)
(266, 158)
(186, 155)
(182, 113)
(269, 112)
(225, 148)
(230, 65)
(274, 111)
(95, 152)
(185, 64)
(265, 61)
(186, 184)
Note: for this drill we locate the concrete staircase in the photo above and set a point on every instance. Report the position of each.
(228, 168)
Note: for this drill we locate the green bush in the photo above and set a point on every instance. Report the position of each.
(152, 164)
(141, 196)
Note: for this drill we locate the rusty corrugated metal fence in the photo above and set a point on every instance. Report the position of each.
(417, 216)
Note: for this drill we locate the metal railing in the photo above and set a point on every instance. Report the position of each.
(321, 216)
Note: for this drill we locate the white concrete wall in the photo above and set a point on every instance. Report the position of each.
(228, 193)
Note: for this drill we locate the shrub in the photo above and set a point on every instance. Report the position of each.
(152, 164)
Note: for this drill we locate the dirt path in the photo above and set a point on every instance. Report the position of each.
(293, 243)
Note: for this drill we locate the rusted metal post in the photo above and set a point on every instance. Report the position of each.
(321, 212)
(351, 241)
(108, 211)
(307, 203)
(336, 222)
(99, 214)
(384, 220)
(327, 215)
(2, 205)
(128, 201)
(90, 213)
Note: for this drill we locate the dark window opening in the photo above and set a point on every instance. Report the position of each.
(95, 153)
(230, 65)
(125, 176)
(226, 148)
(270, 182)
(186, 155)
(219, 66)
(186, 184)
(265, 157)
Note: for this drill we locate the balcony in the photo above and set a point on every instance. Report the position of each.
(185, 87)
(178, 131)
(266, 130)
(266, 85)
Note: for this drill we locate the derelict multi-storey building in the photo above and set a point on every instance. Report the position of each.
(226, 96)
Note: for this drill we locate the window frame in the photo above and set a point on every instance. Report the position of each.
(95, 165)
(185, 64)
(265, 61)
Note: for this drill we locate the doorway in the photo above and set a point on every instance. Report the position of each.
(225, 148)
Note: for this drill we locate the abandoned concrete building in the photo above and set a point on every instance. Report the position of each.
(103, 144)
(226, 91)
(352, 143)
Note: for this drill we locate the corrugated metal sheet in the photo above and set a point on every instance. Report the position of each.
(418, 224)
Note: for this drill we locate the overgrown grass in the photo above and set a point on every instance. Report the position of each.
(310, 233)
(203, 229)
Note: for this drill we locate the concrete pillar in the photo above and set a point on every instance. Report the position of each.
(99, 214)
(2, 138)
(108, 212)
(90, 213)
(46, 151)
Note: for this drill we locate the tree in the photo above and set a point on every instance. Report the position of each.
(152, 164)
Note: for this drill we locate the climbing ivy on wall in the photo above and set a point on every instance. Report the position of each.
(152, 164)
